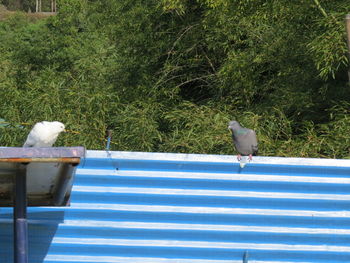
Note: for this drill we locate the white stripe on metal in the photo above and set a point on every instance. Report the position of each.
(106, 259)
(214, 176)
(211, 158)
(208, 210)
(206, 192)
(199, 227)
(197, 244)
(195, 227)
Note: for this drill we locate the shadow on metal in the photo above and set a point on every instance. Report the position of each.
(42, 227)
(245, 257)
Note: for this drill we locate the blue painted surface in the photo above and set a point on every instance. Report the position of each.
(147, 207)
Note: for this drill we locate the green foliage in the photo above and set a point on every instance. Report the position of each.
(168, 75)
(55, 73)
(196, 129)
(330, 53)
(136, 126)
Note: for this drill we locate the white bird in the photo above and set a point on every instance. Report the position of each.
(44, 134)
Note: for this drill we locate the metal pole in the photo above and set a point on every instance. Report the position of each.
(347, 23)
(109, 138)
(245, 257)
(20, 216)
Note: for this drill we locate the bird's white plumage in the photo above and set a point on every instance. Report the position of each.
(44, 134)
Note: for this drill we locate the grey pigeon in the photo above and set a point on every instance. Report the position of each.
(244, 139)
(44, 134)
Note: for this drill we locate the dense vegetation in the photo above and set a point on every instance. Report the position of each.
(168, 75)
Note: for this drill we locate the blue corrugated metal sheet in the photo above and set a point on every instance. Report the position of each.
(167, 208)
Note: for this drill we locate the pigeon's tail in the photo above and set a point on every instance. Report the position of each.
(243, 161)
(242, 164)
